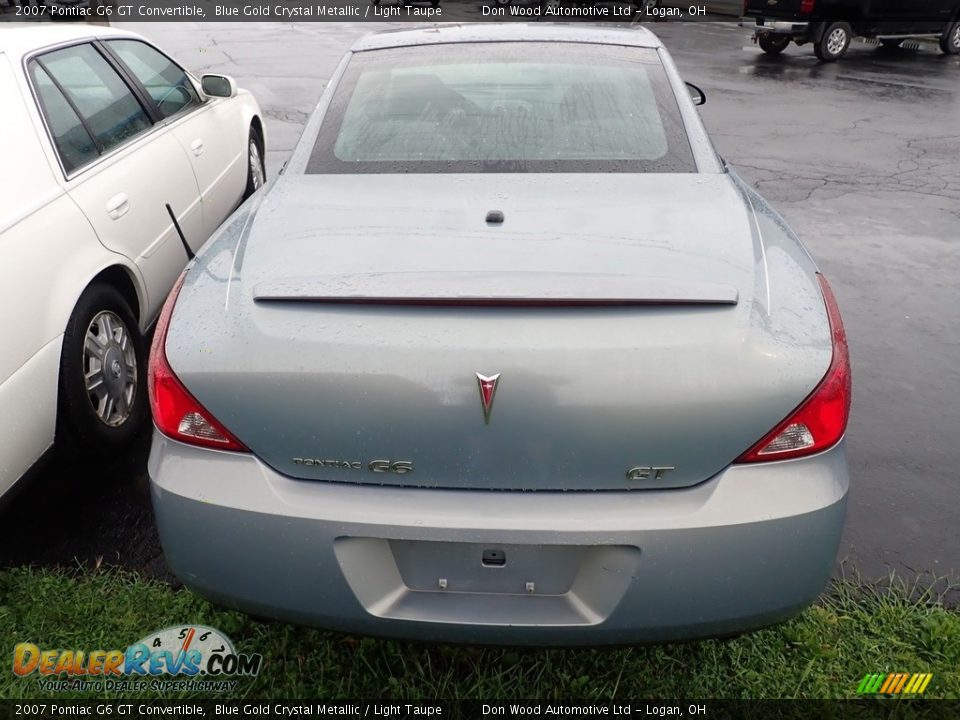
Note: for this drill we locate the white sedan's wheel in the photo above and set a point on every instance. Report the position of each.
(110, 368)
(102, 396)
(256, 171)
(256, 165)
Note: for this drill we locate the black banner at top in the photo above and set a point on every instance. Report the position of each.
(419, 11)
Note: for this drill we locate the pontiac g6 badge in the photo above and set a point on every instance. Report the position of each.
(488, 388)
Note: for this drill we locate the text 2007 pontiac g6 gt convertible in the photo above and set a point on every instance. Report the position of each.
(507, 355)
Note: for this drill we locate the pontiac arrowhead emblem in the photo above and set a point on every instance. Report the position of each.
(488, 388)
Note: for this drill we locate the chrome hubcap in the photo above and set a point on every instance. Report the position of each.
(110, 368)
(256, 166)
(956, 37)
(836, 41)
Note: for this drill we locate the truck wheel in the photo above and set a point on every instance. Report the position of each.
(773, 44)
(950, 40)
(834, 42)
(103, 389)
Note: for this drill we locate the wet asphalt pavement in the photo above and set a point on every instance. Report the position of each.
(861, 157)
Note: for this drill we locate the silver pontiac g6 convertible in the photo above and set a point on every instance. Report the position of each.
(506, 355)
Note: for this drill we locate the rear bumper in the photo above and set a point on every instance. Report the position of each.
(776, 27)
(750, 547)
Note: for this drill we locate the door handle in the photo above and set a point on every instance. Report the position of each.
(118, 206)
(197, 147)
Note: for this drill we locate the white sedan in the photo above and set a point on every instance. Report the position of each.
(117, 165)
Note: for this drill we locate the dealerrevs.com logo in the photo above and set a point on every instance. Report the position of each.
(180, 657)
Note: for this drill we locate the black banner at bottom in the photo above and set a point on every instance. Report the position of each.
(887, 709)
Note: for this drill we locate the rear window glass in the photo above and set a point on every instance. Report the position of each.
(503, 107)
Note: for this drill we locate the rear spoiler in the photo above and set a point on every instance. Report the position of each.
(495, 289)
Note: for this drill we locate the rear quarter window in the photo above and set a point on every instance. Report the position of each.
(503, 107)
(74, 144)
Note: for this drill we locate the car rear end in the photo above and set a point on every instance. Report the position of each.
(788, 18)
(611, 411)
(360, 532)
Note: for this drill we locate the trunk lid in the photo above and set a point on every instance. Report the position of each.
(628, 333)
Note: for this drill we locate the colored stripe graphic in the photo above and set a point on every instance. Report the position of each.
(901, 681)
(888, 683)
(914, 683)
(870, 684)
(894, 683)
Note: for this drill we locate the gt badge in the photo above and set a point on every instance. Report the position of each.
(488, 388)
(648, 472)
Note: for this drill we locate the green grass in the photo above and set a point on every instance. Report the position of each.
(823, 653)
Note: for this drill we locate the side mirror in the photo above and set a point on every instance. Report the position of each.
(696, 94)
(218, 85)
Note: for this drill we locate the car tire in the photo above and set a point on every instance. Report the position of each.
(102, 398)
(891, 42)
(256, 167)
(834, 42)
(950, 40)
(773, 44)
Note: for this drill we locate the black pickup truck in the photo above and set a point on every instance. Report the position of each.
(830, 24)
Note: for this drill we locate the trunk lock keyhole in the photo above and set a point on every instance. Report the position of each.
(494, 558)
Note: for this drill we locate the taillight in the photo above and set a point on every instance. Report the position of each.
(176, 413)
(821, 419)
(807, 6)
